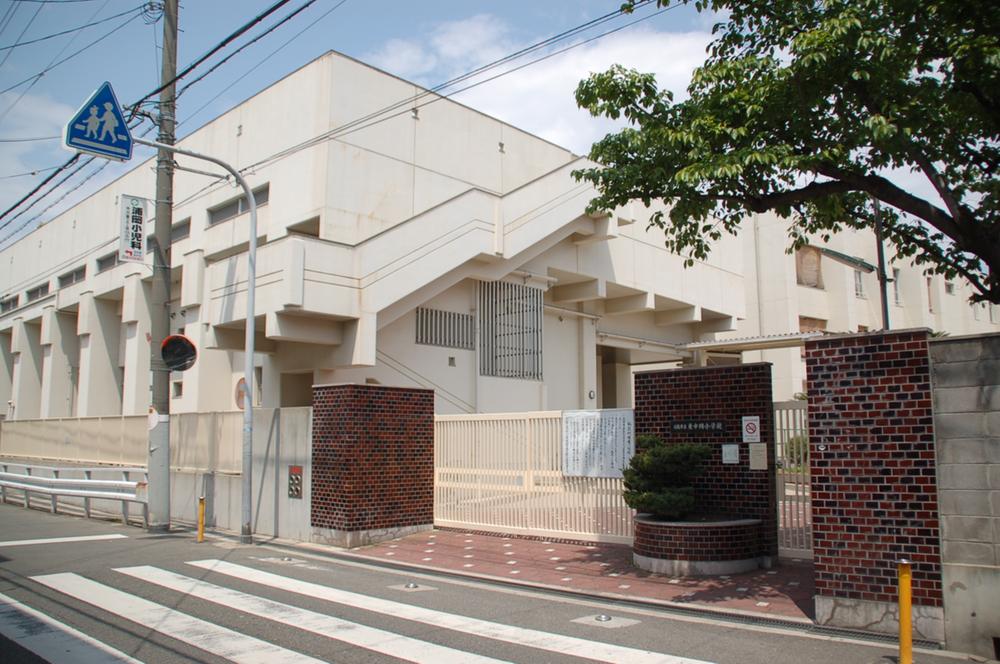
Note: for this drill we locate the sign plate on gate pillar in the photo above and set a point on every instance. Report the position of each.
(751, 429)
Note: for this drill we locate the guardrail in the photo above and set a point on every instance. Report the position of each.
(67, 482)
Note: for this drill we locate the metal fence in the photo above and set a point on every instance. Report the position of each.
(792, 455)
(503, 473)
(75, 489)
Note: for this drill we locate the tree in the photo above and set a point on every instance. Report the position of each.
(801, 107)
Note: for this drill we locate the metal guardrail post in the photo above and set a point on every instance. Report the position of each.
(201, 519)
(86, 501)
(27, 496)
(125, 503)
(3, 489)
(54, 498)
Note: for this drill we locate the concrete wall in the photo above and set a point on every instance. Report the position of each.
(966, 375)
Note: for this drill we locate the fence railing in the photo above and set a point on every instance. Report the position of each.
(503, 473)
(78, 487)
(792, 454)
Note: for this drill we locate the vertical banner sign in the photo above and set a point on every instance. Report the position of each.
(134, 212)
(597, 443)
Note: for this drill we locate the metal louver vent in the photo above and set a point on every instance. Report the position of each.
(445, 328)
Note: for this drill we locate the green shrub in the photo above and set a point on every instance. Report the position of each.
(658, 479)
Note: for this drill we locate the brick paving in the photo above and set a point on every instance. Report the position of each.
(785, 592)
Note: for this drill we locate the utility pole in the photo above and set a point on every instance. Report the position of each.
(158, 467)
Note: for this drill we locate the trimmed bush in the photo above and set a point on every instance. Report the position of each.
(659, 477)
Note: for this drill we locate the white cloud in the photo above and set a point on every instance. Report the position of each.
(540, 98)
(33, 116)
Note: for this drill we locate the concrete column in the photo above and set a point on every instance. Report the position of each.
(623, 385)
(209, 384)
(26, 385)
(60, 363)
(99, 328)
(136, 321)
(6, 373)
(588, 363)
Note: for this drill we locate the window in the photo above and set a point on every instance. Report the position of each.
(105, 263)
(79, 274)
(808, 267)
(862, 328)
(510, 330)
(807, 324)
(238, 206)
(178, 389)
(949, 287)
(37, 292)
(930, 295)
(445, 328)
(9, 304)
(180, 230)
(859, 284)
(897, 296)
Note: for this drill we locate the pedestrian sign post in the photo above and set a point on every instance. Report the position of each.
(99, 127)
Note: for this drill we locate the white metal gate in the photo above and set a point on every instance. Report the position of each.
(792, 455)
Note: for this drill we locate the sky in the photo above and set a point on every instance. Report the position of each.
(428, 42)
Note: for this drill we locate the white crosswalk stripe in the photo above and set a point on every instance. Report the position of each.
(371, 638)
(62, 540)
(52, 640)
(193, 631)
(557, 643)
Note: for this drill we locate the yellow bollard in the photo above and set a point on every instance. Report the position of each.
(905, 614)
(201, 518)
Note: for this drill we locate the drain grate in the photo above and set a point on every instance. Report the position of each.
(876, 637)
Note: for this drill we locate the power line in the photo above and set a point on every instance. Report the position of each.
(32, 20)
(274, 27)
(215, 49)
(134, 106)
(263, 60)
(52, 66)
(34, 172)
(28, 140)
(66, 32)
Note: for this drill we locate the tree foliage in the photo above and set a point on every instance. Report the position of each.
(801, 108)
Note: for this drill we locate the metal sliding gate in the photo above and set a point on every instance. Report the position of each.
(792, 476)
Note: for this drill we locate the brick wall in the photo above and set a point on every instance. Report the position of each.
(713, 542)
(718, 394)
(871, 447)
(372, 457)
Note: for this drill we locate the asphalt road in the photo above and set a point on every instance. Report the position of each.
(135, 596)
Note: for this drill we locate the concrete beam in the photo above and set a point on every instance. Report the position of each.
(605, 228)
(303, 330)
(358, 346)
(682, 316)
(727, 324)
(594, 289)
(630, 304)
(233, 338)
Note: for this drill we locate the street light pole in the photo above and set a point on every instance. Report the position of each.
(246, 533)
(883, 278)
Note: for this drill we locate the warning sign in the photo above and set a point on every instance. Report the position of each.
(751, 429)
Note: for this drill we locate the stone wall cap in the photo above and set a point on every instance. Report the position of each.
(717, 367)
(372, 386)
(966, 337)
(870, 333)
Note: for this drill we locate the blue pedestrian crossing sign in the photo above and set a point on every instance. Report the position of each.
(99, 127)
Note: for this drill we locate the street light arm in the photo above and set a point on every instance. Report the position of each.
(246, 533)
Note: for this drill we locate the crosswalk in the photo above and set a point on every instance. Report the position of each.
(249, 591)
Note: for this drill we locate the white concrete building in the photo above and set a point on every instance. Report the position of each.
(430, 246)
(404, 240)
(815, 289)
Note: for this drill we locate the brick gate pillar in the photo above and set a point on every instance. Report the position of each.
(372, 463)
(874, 486)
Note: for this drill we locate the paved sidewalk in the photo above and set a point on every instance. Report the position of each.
(785, 592)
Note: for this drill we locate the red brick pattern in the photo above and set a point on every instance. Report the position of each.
(703, 542)
(871, 445)
(372, 457)
(718, 394)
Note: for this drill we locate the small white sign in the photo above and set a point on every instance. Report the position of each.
(134, 214)
(751, 429)
(730, 454)
(597, 443)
